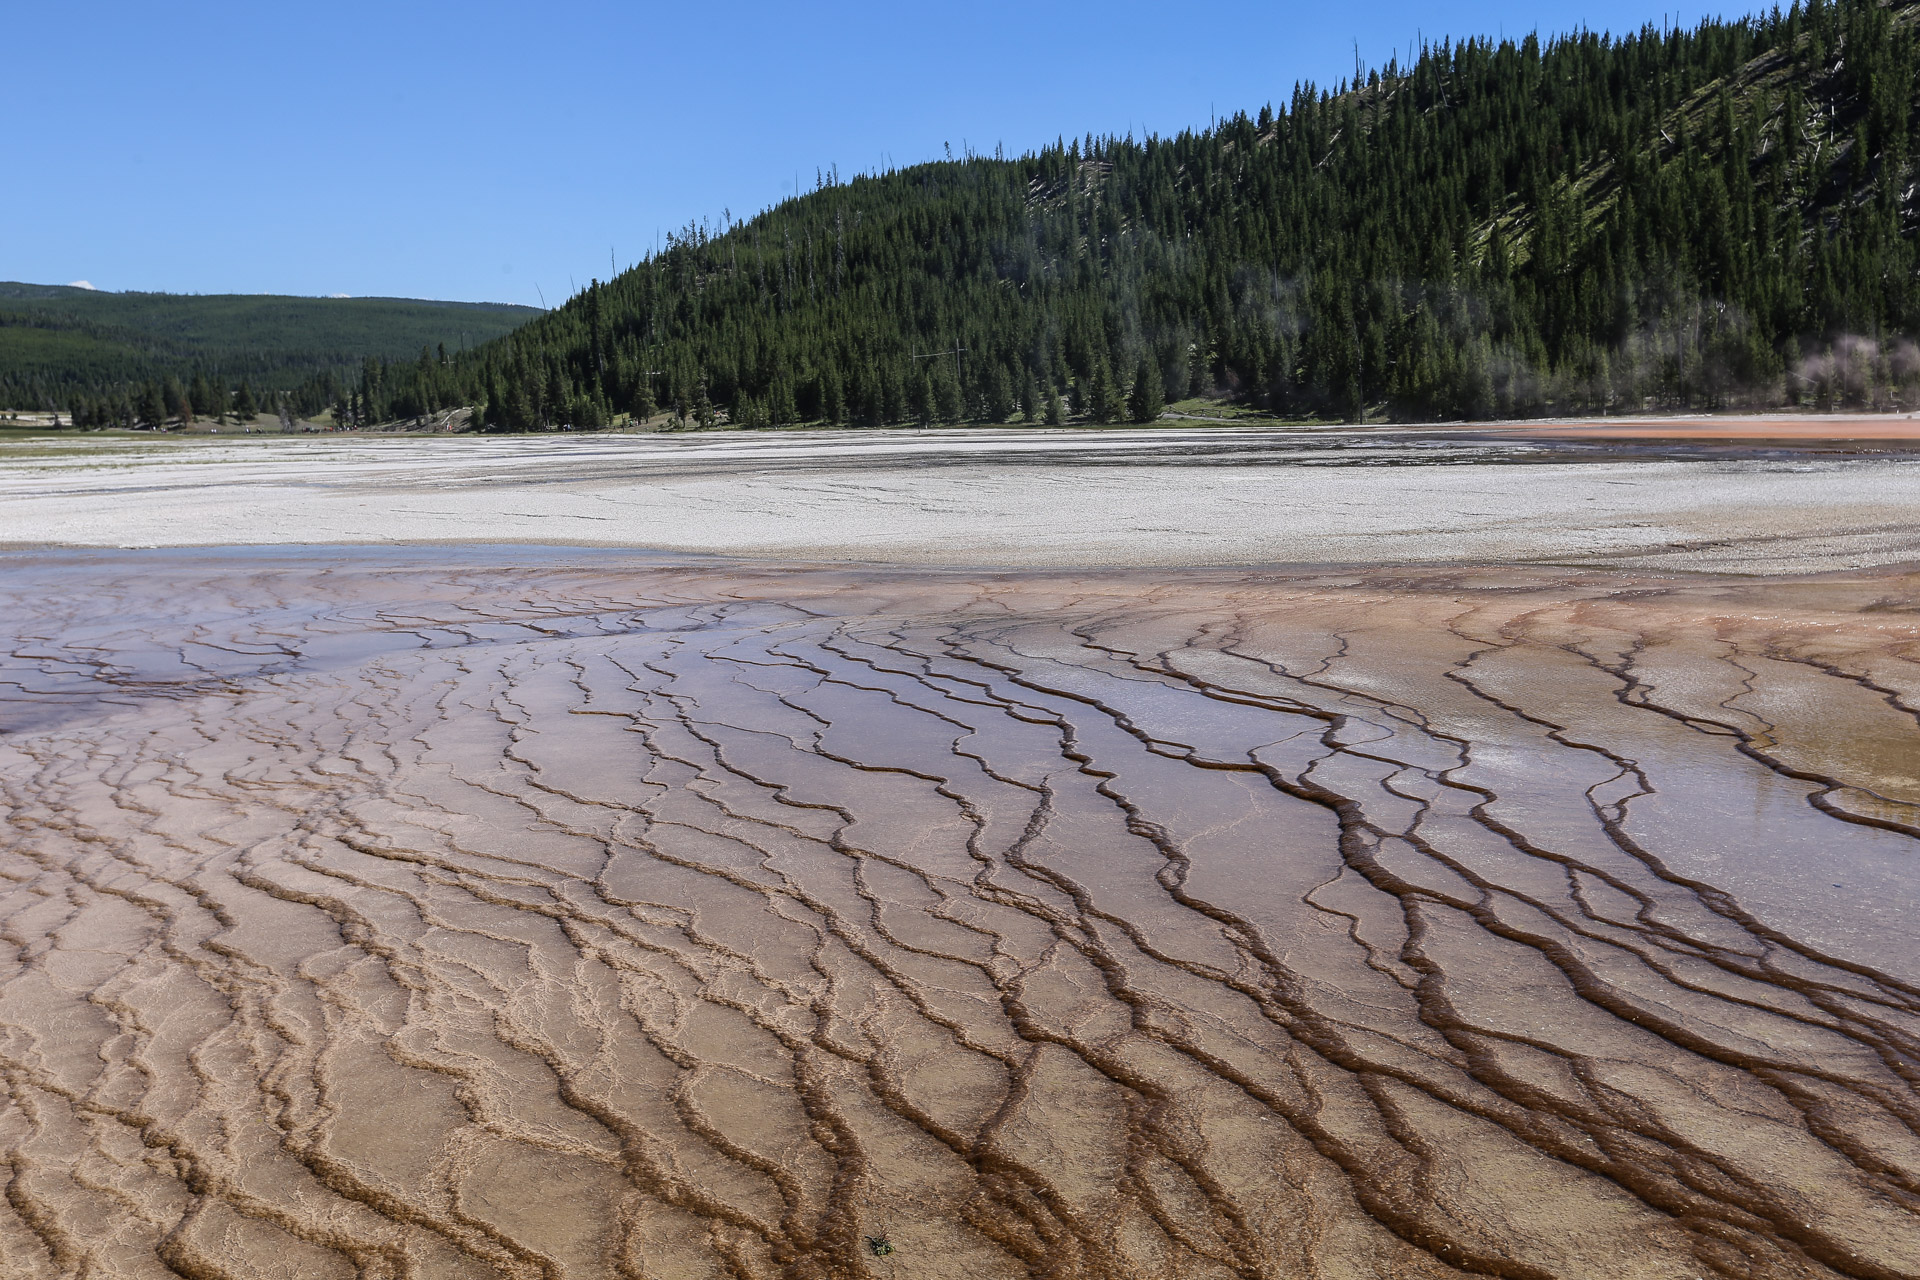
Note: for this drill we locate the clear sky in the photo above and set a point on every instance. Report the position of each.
(488, 151)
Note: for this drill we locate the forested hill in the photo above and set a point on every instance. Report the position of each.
(1693, 218)
(60, 345)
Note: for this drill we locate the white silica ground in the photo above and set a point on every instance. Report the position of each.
(1018, 498)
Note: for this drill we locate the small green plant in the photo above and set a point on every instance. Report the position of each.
(880, 1246)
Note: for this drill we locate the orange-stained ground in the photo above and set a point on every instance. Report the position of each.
(475, 913)
(1863, 427)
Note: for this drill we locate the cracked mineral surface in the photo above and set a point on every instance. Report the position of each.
(1171, 899)
(489, 912)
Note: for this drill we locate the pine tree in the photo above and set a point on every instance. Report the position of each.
(1105, 403)
(833, 405)
(641, 404)
(174, 396)
(922, 399)
(783, 410)
(1000, 402)
(153, 406)
(1147, 399)
(948, 406)
(200, 396)
(520, 415)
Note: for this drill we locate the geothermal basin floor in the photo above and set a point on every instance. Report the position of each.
(494, 910)
(1015, 497)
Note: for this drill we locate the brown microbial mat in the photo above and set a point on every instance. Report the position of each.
(546, 914)
(1865, 428)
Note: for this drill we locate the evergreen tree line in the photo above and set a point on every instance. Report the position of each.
(54, 361)
(388, 391)
(60, 345)
(382, 391)
(1699, 218)
(160, 402)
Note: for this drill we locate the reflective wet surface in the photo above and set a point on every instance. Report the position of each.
(522, 912)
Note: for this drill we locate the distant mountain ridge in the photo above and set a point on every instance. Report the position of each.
(1706, 218)
(60, 342)
(1669, 219)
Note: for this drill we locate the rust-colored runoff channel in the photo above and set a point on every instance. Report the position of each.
(423, 914)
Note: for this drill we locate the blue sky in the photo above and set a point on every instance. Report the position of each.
(486, 151)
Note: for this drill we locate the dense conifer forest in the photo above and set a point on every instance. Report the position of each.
(1704, 218)
(127, 357)
(1700, 218)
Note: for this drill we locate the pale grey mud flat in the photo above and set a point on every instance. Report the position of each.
(1027, 497)
(501, 912)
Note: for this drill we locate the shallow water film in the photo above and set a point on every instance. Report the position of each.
(530, 913)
